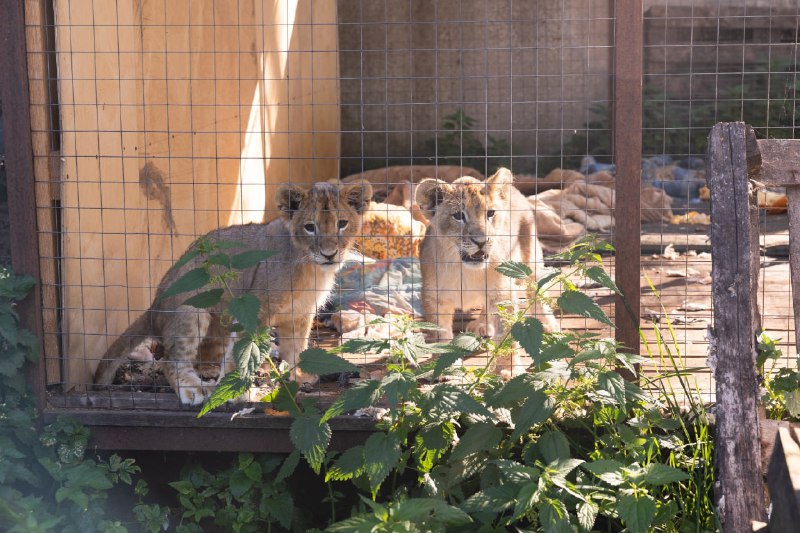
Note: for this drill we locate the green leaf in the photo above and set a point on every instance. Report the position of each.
(529, 333)
(636, 511)
(9, 327)
(514, 269)
(311, 437)
(319, 362)
(512, 392)
(599, 274)
(554, 517)
(447, 399)
(421, 510)
(553, 446)
(608, 470)
(490, 500)
(248, 357)
(250, 258)
(587, 515)
(245, 310)
(479, 437)
(240, 483)
(536, 409)
(614, 385)
(15, 287)
(381, 454)
(360, 395)
(223, 244)
(188, 256)
(229, 388)
(361, 346)
(288, 466)
(574, 302)
(220, 258)
(190, 281)
(205, 299)
(347, 466)
(588, 355)
(282, 398)
(661, 474)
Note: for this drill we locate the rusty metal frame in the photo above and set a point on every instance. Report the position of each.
(150, 430)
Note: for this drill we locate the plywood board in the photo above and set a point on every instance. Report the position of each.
(179, 117)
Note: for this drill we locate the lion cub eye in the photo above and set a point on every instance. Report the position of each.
(459, 215)
(490, 213)
(342, 224)
(310, 228)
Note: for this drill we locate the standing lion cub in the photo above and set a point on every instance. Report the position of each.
(475, 226)
(316, 229)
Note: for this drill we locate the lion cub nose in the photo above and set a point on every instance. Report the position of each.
(480, 243)
(329, 256)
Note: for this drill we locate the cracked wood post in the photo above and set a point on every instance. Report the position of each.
(739, 488)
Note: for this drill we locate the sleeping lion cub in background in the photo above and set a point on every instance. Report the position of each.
(316, 229)
(475, 226)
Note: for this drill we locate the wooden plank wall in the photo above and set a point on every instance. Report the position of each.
(178, 117)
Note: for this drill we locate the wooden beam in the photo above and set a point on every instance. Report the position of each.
(732, 343)
(777, 162)
(19, 165)
(627, 139)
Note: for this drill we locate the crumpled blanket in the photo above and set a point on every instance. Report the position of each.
(563, 215)
(372, 289)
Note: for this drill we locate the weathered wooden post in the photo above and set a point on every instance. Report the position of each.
(732, 341)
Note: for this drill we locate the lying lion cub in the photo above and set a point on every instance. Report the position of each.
(475, 226)
(316, 229)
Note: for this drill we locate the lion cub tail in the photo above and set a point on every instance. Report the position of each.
(136, 334)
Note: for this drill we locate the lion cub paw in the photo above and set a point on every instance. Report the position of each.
(196, 393)
(481, 327)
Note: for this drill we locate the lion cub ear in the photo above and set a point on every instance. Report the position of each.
(430, 193)
(500, 183)
(288, 198)
(357, 194)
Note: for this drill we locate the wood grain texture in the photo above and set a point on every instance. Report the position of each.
(732, 348)
(20, 172)
(179, 118)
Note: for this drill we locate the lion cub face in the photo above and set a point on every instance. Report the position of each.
(325, 219)
(468, 213)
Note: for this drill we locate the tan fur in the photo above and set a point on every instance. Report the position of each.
(291, 286)
(459, 257)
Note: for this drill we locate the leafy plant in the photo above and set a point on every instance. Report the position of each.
(46, 480)
(781, 398)
(569, 444)
(246, 497)
(459, 145)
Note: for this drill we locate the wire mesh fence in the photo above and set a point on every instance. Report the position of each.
(159, 122)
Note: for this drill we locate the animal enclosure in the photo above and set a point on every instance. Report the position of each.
(154, 122)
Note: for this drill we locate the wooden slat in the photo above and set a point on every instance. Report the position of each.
(793, 197)
(732, 341)
(46, 176)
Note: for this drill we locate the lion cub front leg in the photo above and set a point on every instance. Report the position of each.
(441, 313)
(293, 334)
(183, 333)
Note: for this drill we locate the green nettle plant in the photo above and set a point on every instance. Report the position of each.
(569, 445)
(781, 385)
(47, 482)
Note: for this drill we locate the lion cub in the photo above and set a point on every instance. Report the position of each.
(316, 229)
(475, 226)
